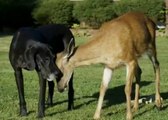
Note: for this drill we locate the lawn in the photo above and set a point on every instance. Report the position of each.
(86, 83)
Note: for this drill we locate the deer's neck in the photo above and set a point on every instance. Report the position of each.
(86, 55)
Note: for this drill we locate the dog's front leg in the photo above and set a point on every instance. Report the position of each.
(41, 103)
(20, 86)
(71, 94)
(50, 93)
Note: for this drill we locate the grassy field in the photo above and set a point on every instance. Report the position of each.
(86, 83)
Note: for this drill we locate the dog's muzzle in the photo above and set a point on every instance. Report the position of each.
(51, 77)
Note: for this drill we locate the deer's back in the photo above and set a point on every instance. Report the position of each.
(127, 36)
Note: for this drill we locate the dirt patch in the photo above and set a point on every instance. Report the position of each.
(83, 32)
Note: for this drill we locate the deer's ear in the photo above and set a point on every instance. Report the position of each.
(70, 48)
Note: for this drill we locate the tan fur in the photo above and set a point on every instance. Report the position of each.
(118, 42)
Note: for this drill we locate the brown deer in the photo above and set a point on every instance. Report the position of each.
(118, 42)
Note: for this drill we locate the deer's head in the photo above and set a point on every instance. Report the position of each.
(66, 66)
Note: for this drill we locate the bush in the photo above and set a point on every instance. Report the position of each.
(151, 8)
(53, 11)
(94, 12)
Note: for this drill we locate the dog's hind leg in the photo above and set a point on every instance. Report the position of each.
(20, 86)
(49, 101)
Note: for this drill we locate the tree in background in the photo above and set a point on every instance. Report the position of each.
(19, 13)
(16, 13)
(151, 8)
(166, 13)
(94, 12)
(53, 11)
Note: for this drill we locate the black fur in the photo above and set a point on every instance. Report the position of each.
(36, 49)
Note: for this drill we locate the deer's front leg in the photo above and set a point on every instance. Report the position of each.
(104, 85)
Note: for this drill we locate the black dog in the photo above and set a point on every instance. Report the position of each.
(36, 49)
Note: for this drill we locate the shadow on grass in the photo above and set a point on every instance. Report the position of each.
(165, 97)
(116, 95)
(30, 112)
(113, 96)
(164, 105)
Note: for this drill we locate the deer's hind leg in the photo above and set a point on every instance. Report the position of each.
(137, 88)
(131, 72)
(155, 62)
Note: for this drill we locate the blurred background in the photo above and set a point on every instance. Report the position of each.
(77, 14)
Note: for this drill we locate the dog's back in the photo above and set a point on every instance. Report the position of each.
(22, 37)
(57, 36)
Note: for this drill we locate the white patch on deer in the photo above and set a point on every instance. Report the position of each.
(107, 76)
(127, 70)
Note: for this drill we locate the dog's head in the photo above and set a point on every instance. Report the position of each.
(40, 57)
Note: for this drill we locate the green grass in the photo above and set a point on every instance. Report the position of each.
(86, 83)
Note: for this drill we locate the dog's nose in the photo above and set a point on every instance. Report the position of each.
(58, 75)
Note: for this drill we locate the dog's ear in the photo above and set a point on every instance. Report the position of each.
(38, 60)
(29, 58)
(40, 65)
